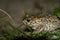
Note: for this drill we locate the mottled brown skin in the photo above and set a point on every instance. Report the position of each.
(48, 23)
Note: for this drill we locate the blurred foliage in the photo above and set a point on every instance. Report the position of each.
(8, 30)
(47, 35)
(56, 11)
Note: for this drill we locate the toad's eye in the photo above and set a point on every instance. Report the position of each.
(28, 20)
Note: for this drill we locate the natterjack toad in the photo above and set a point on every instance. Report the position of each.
(47, 23)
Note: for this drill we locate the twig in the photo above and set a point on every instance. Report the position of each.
(7, 15)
